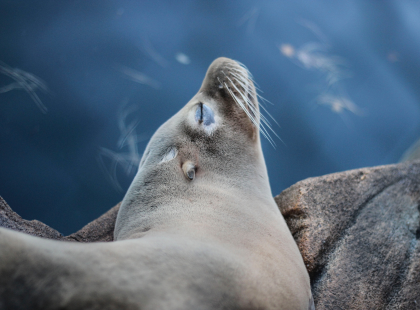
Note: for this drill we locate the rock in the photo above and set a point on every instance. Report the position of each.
(10, 219)
(101, 229)
(358, 232)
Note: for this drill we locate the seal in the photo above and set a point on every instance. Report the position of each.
(197, 229)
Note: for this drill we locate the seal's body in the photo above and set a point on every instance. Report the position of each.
(197, 229)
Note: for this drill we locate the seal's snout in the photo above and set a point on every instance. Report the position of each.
(232, 87)
(234, 82)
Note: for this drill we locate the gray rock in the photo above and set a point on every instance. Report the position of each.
(11, 220)
(101, 229)
(358, 232)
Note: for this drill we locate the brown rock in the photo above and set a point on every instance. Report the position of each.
(358, 232)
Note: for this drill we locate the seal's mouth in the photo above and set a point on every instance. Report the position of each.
(239, 83)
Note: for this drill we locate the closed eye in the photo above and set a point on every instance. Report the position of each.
(204, 114)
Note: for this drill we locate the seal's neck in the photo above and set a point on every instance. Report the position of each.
(165, 202)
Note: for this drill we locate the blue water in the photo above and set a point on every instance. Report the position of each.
(343, 77)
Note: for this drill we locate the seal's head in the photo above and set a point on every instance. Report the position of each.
(211, 144)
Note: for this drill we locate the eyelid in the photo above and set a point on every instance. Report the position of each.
(199, 113)
(204, 115)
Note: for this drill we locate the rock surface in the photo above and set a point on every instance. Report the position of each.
(101, 229)
(10, 219)
(358, 232)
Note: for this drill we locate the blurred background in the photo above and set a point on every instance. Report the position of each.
(84, 85)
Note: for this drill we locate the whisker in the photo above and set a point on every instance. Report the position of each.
(242, 86)
(241, 104)
(238, 84)
(263, 130)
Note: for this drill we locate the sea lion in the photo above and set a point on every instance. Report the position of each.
(197, 229)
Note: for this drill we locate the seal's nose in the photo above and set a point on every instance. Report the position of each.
(232, 79)
(233, 84)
